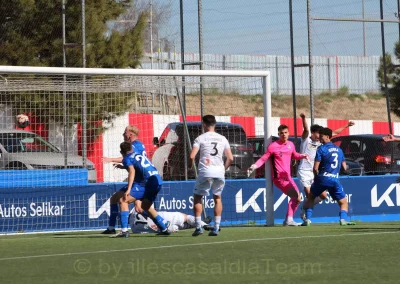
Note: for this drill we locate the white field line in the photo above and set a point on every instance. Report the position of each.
(17, 239)
(190, 245)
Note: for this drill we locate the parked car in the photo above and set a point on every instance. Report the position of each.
(377, 156)
(353, 167)
(23, 150)
(169, 157)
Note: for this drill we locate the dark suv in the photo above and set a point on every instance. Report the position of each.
(377, 156)
(169, 157)
(354, 167)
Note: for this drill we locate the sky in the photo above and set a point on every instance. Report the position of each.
(262, 27)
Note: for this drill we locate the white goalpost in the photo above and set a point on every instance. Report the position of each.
(52, 174)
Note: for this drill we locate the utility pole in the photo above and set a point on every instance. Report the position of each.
(84, 103)
(151, 32)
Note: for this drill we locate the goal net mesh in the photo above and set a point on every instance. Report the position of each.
(57, 129)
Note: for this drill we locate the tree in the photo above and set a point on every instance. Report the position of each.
(31, 34)
(161, 15)
(393, 79)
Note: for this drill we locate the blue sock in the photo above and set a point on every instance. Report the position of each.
(159, 221)
(124, 219)
(309, 212)
(113, 215)
(343, 215)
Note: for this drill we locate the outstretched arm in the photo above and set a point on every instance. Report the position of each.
(298, 156)
(112, 160)
(263, 159)
(306, 132)
(390, 137)
(340, 129)
(259, 162)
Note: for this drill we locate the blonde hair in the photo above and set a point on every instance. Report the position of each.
(133, 129)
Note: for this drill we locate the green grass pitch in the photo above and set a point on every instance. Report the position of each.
(365, 253)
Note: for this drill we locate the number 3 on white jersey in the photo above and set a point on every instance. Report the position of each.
(335, 161)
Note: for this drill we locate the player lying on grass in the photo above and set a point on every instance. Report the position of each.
(141, 224)
(328, 161)
(282, 151)
(142, 171)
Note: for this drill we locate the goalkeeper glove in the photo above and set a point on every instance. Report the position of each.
(251, 170)
(305, 156)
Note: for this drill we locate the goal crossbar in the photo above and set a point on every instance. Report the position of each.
(136, 72)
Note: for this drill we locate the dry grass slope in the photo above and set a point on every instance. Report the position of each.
(326, 105)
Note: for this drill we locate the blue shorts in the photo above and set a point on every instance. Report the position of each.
(152, 188)
(333, 186)
(137, 191)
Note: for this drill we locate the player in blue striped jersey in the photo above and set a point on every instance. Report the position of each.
(328, 161)
(141, 171)
(130, 134)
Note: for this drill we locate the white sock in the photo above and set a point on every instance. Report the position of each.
(191, 220)
(124, 230)
(111, 228)
(289, 219)
(198, 222)
(217, 222)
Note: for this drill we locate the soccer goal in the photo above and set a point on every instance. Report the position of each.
(58, 125)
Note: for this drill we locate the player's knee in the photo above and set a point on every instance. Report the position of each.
(342, 201)
(115, 198)
(217, 198)
(293, 193)
(295, 199)
(197, 198)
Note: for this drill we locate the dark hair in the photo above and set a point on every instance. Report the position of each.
(282, 126)
(209, 120)
(315, 128)
(125, 147)
(326, 131)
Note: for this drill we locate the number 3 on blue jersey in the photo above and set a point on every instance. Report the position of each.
(335, 161)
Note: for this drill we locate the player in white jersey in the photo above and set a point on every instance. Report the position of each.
(309, 145)
(211, 171)
(141, 224)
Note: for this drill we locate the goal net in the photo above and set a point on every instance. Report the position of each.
(58, 126)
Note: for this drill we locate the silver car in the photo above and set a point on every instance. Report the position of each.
(23, 150)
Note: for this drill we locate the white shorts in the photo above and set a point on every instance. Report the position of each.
(204, 184)
(306, 177)
(177, 219)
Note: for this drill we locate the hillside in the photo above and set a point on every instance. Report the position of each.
(337, 106)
